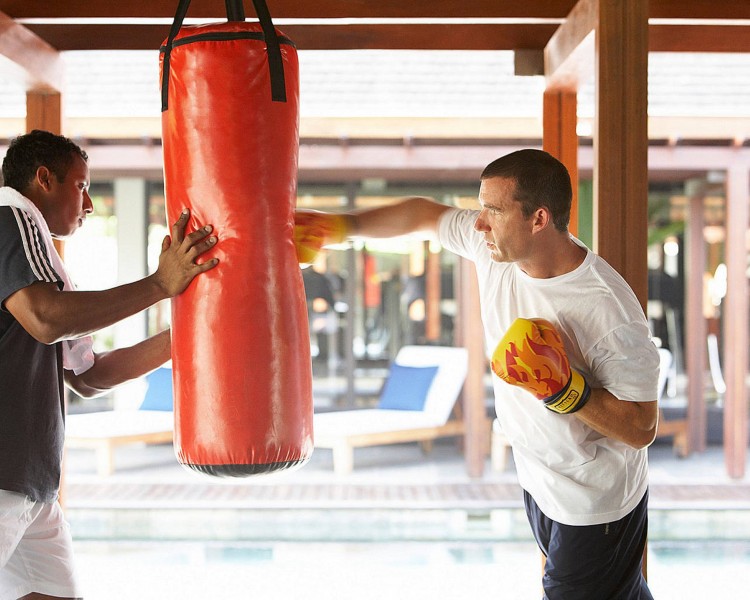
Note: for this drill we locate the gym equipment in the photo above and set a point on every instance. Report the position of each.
(531, 355)
(240, 342)
(314, 230)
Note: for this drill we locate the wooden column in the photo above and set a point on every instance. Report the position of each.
(695, 322)
(432, 294)
(735, 317)
(350, 297)
(616, 32)
(621, 140)
(560, 138)
(44, 111)
(470, 335)
(613, 35)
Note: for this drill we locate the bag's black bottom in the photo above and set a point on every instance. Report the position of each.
(245, 470)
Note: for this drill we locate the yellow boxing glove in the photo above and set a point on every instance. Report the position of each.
(531, 355)
(313, 230)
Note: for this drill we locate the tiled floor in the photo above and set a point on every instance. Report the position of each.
(387, 476)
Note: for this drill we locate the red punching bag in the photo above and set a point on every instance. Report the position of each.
(240, 343)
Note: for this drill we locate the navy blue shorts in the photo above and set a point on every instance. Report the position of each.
(592, 562)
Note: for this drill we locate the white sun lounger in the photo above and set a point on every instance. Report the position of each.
(343, 431)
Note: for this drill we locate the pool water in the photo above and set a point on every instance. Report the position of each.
(440, 570)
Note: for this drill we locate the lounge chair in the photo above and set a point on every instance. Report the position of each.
(151, 423)
(675, 428)
(415, 405)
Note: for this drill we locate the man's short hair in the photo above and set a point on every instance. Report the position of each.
(541, 181)
(28, 152)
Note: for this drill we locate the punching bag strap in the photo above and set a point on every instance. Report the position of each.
(235, 12)
(275, 62)
(179, 16)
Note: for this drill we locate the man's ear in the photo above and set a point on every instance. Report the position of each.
(540, 219)
(43, 178)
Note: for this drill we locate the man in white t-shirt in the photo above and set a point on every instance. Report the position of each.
(584, 473)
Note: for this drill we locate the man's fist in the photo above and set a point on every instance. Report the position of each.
(314, 230)
(531, 356)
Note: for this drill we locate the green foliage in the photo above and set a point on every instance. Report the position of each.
(660, 225)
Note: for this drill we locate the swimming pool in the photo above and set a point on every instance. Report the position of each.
(364, 571)
(363, 554)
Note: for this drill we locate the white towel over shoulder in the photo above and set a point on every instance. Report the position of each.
(78, 355)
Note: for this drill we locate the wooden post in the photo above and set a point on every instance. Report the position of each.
(614, 36)
(695, 329)
(621, 140)
(621, 143)
(350, 296)
(620, 46)
(432, 294)
(560, 138)
(44, 111)
(470, 334)
(736, 321)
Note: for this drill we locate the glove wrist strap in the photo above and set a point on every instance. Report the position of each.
(572, 397)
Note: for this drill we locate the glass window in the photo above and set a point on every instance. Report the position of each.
(368, 299)
(91, 254)
(91, 260)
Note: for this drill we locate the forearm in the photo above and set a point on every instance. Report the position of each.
(631, 422)
(408, 215)
(50, 315)
(123, 364)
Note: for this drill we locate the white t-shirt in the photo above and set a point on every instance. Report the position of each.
(576, 475)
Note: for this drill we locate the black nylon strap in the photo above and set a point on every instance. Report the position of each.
(179, 17)
(235, 12)
(275, 62)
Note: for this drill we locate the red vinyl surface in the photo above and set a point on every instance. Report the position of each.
(240, 343)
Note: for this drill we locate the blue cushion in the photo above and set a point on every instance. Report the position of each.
(406, 387)
(159, 391)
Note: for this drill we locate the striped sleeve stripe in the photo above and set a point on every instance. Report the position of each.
(36, 252)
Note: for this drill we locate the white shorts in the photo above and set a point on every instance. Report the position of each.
(36, 549)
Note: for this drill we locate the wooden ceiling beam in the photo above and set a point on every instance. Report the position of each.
(315, 37)
(332, 9)
(28, 58)
(419, 37)
(336, 163)
(703, 38)
(662, 38)
(569, 54)
(294, 9)
(698, 9)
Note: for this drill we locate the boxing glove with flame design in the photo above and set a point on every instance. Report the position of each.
(531, 355)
